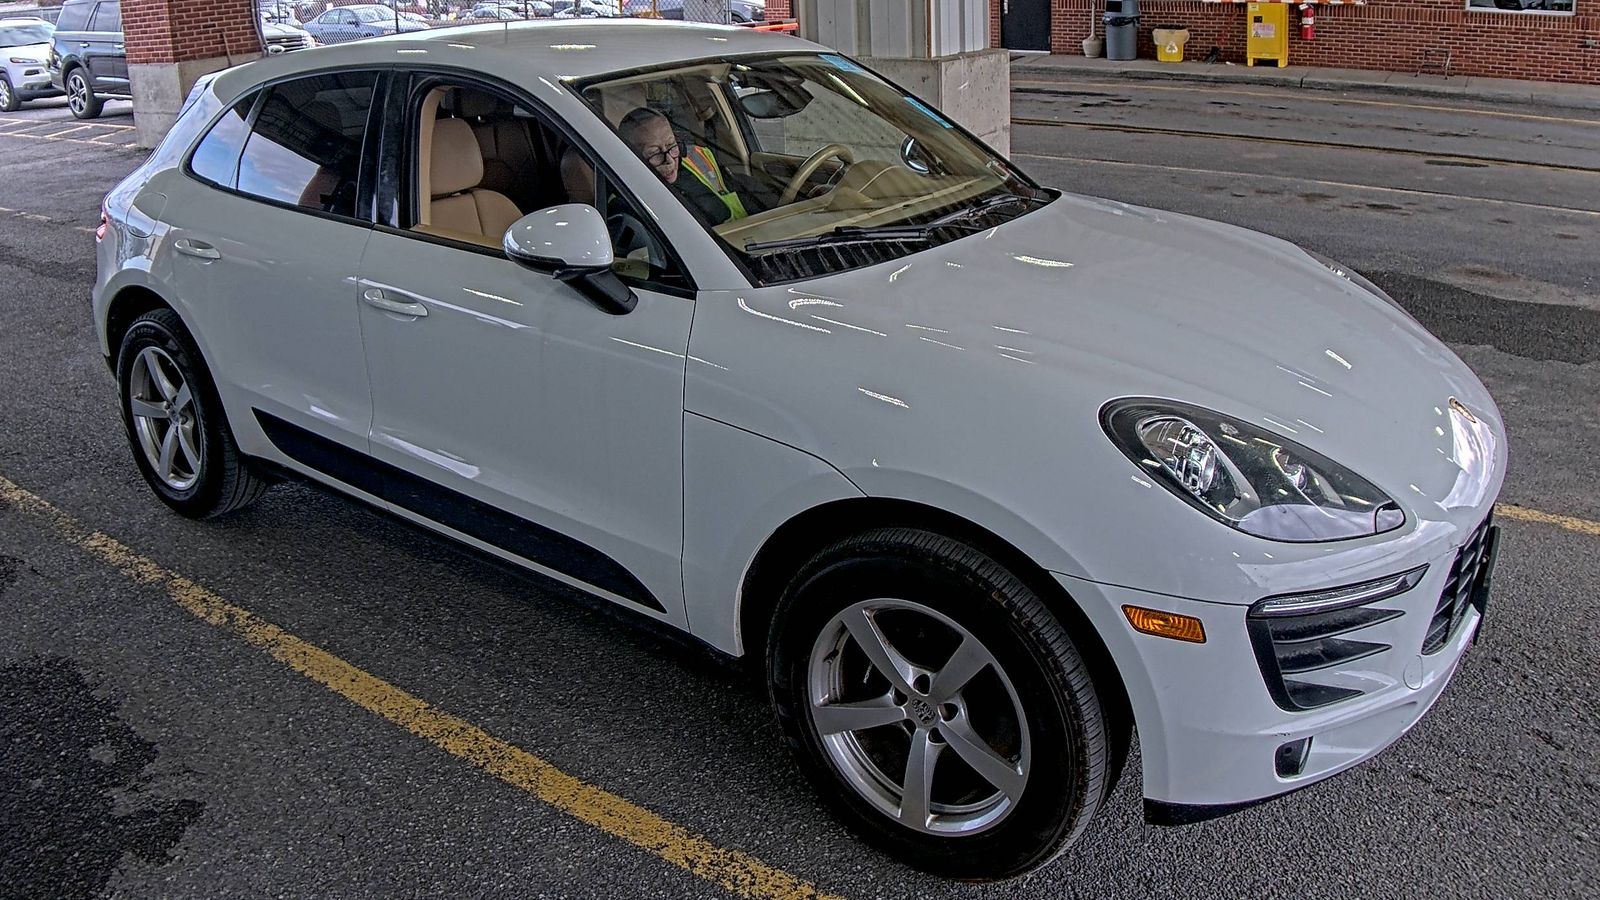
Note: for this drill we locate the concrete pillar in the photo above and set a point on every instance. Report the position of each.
(171, 43)
(936, 49)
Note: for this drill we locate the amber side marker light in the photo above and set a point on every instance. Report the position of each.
(1165, 624)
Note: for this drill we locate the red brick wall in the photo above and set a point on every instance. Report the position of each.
(779, 9)
(166, 31)
(1383, 34)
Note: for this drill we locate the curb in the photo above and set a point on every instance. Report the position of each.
(1539, 93)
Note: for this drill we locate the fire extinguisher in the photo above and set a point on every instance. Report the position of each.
(1308, 22)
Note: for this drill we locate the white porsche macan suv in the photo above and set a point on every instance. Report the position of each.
(725, 329)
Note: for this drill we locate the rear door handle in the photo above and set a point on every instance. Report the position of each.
(376, 297)
(84, 45)
(197, 249)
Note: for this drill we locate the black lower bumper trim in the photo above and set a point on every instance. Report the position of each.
(1160, 812)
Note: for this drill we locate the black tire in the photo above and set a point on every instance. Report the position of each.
(225, 481)
(91, 104)
(1070, 756)
(9, 101)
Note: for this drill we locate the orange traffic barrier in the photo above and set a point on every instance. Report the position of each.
(779, 26)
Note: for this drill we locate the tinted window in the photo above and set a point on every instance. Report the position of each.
(217, 158)
(107, 17)
(74, 17)
(368, 14)
(305, 149)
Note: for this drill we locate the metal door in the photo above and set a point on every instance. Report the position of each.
(1025, 24)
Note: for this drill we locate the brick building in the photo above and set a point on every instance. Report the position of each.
(1552, 40)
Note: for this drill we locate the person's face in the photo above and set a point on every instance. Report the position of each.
(658, 147)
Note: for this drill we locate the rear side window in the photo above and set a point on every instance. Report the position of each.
(107, 17)
(305, 148)
(217, 158)
(74, 17)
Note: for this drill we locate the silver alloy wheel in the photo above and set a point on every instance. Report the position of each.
(77, 93)
(164, 418)
(941, 747)
(5, 94)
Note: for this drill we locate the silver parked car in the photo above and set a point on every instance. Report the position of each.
(24, 62)
(725, 329)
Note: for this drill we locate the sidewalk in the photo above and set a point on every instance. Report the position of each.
(1504, 90)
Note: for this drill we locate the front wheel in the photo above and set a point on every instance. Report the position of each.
(939, 706)
(9, 101)
(81, 98)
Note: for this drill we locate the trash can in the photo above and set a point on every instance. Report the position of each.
(1169, 43)
(1121, 21)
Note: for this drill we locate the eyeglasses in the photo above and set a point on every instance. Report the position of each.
(660, 156)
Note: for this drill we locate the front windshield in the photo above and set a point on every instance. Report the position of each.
(23, 35)
(806, 164)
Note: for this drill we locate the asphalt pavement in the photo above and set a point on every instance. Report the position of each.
(159, 741)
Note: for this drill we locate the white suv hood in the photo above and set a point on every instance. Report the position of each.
(984, 363)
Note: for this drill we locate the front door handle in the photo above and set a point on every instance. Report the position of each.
(84, 45)
(376, 297)
(197, 249)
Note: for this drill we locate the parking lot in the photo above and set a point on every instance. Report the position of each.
(309, 699)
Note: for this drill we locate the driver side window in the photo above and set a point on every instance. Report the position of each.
(481, 161)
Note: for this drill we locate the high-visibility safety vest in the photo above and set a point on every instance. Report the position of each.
(703, 166)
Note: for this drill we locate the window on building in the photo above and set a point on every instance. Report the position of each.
(217, 158)
(1523, 6)
(305, 149)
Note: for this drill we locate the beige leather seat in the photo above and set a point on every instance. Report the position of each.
(457, 207)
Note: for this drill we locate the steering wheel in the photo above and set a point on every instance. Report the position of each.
(810, 166)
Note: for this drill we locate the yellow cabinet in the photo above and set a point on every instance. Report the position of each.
(1268, 37)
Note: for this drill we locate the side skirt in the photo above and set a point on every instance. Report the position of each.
(515, 535)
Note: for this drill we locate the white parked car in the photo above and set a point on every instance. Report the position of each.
(24, 62)
(737, 335)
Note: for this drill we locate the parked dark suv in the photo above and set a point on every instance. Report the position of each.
(89, 61)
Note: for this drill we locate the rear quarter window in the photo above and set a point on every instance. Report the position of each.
(217, 158)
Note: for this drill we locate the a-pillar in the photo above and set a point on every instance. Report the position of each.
(171, 44)
(937, 49)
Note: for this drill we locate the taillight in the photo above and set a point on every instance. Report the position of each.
(105, 222)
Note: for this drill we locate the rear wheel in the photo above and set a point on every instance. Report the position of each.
(176, 426)
(940, 707)
(9, 101)
(81, 98)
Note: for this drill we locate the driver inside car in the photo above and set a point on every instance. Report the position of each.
(690, 168)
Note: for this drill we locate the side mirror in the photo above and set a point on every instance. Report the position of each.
(571, 242)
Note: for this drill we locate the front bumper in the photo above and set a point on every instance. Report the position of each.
(1210, 731)
(33, 82)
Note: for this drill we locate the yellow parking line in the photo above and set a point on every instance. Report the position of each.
(737, 872)
(1570, 523)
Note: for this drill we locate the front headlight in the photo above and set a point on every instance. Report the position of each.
(1245, 476)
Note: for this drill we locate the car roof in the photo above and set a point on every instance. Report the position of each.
(526, 51)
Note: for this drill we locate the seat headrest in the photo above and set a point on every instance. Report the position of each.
(457, 163)
(477, 105)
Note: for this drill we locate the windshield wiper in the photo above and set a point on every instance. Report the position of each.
(856, 234)
(988, 204)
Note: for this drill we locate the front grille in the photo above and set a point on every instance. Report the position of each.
(285, 44)
(1468, 570)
